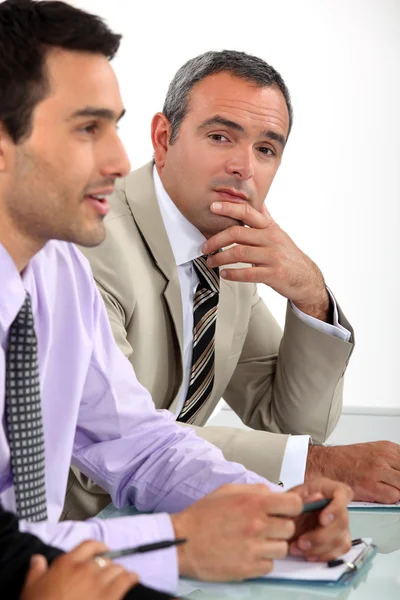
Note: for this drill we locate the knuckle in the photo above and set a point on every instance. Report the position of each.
(253, 527)
(290, 529)
(282, 550)
(239, 252)
(392, 496)
(237, 232)
(248, 210)
(348, 490)
(250, 275)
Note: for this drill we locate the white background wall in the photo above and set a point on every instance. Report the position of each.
(338, 191)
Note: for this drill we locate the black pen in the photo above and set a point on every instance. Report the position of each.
(142, 549)
(339, 561)
(315, 506)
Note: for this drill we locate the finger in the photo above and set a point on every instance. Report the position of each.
(234, 235)
(329, 548)
(386, 474)
(239, 253)
(278, 528)
(38, 567)
(341, 548)
(247, 274)
(378, 492)
(109, 573)
(322, 539)
(257, 568)
(241, 212)
(340, 494)
(287, 504)
(337, 507)
(121, 585)
(86, 550)
(313, 497)
(267, 214)
(273, 549)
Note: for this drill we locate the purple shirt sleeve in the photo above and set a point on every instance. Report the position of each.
(156, 569)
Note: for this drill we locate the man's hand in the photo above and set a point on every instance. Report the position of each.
(371, 469)
(77, 576)
(234, 533)
(323, 535)
(275, 258)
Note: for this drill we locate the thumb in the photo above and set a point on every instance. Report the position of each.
(38, 567)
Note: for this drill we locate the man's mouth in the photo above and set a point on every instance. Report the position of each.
(99, 202)
(231, 195)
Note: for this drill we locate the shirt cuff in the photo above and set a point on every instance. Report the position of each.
(294, 461)
(336, 330)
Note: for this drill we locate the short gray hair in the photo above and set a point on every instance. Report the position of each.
(240, 64)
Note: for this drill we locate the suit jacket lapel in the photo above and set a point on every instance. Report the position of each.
(141, 196)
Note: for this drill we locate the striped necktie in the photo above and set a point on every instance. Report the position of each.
(24, 417)
(205, 306)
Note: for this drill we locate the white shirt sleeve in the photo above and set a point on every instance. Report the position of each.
(294, 461)
(337, 330)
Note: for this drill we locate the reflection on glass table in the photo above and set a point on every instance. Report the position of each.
(378, 581)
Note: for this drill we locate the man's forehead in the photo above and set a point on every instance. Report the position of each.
(79, 79)
(224, 92)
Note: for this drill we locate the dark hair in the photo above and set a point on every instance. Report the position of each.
(245, 66)
(28, 29)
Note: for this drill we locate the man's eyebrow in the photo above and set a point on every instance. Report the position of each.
(217, 120)
(96, 113)
(272, 135)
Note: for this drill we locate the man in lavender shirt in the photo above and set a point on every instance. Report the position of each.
(59, 157)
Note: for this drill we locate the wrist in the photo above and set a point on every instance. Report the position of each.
(320, 462)
(319, 307)
(181, 531)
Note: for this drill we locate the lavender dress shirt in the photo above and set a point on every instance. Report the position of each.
(97, 416)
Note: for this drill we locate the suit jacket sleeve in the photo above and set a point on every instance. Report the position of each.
(16, 549)
(292, 383)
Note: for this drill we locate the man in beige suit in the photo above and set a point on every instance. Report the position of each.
(218, 145)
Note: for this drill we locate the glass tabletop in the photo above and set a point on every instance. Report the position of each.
(379, 581)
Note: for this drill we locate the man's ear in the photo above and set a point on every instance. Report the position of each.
(5, 145)
(160, 135)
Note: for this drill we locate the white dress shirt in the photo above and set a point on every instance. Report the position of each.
(186, 247)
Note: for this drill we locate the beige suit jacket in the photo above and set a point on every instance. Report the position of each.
(278, 385)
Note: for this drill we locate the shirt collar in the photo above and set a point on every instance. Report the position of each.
(12, 291)
(187, 245)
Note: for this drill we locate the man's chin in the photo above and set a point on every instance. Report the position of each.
(218, 224)
(89, 239)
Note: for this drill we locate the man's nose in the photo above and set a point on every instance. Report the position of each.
(241, 165)
(117, 163)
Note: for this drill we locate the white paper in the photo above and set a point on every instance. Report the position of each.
(300, 569)
(372, 505)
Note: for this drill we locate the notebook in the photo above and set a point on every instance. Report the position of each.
(298, 569)
(297, 572)
(372, 505)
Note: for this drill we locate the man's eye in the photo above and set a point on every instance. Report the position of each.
(90, 129)
(217, 137)
(267, 151)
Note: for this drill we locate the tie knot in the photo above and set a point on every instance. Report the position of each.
(209, 278)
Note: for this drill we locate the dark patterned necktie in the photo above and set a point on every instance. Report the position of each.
(205, 306)
(24, 417)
